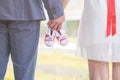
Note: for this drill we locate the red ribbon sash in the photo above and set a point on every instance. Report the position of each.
(111, 19)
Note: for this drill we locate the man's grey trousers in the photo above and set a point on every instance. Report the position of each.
(20, 40)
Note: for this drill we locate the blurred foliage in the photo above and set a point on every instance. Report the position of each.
(71, 28)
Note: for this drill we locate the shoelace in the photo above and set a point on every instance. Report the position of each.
(111, 18)
(60, 33)
(50, 34)
(61, 36)
(49, 38)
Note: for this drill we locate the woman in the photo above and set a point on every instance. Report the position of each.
(99, 38)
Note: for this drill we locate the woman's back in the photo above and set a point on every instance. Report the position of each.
(99, 19)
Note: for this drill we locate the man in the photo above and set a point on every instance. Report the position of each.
(19, 33)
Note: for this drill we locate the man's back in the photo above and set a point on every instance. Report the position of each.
(27, 9)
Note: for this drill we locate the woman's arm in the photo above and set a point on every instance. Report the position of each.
(65, 2)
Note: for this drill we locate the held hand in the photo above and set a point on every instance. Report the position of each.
(56, 24)
(65, 2)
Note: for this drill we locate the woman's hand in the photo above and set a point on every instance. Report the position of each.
(65, 2)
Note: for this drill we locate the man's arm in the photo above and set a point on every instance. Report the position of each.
(54, 8)
(61, 19)
(56, 13)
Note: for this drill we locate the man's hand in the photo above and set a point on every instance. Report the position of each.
(56, 24)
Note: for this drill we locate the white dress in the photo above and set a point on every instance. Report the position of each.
(92, 40)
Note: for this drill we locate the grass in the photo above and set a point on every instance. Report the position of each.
(63, 67)
(57, 64)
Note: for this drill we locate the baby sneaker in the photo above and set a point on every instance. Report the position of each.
(49, 38)
(61, 37)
